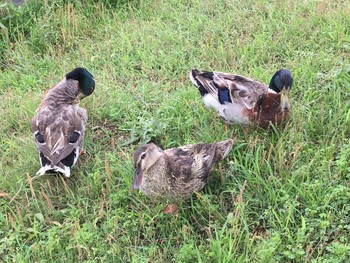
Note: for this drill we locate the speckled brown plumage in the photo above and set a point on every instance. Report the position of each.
(175, 174)
(59, 123)
(240, 100)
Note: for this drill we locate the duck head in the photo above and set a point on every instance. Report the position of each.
(282, 82)
(144, 158)
(85, 79)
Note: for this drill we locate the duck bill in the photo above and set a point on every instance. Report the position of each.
(285, 105)
(138, 175)
(80, 96)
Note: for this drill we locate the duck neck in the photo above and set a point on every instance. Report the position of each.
(155, 182)
(65, 92)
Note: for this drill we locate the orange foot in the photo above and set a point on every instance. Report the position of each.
(81, 153)
(171, 209)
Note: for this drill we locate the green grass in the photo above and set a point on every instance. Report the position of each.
(295, 204)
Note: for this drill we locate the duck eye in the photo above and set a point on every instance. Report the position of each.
(143, 156)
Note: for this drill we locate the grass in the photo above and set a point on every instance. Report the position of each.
(282, 195)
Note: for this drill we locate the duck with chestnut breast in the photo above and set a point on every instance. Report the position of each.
(59, 124)
(175, 174)
(240, 100)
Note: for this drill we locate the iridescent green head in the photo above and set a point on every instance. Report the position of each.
(282, 82)
(85, 79)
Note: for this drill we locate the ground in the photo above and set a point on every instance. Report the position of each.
(281, 195)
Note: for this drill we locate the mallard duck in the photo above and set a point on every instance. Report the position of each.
(240, 100)
(59, 124)
(175, 174)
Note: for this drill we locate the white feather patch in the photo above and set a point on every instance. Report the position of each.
(44, 169)
(65, 172)
(77, 152)
(211, 102)
(230, 112)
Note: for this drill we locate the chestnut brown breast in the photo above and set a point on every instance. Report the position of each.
(267, 110)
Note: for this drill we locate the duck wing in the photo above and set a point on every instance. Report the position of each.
(192, 163)
(58, 131)
(229, 88)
